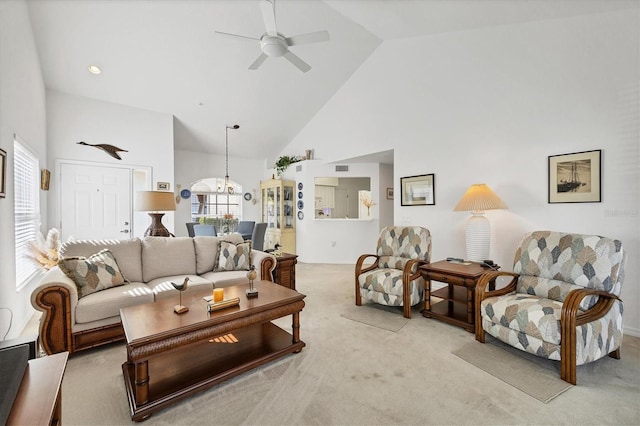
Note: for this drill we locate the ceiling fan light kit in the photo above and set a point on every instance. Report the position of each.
(274, 45)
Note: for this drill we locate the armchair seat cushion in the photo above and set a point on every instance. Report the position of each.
(528, 322)
(384, 286)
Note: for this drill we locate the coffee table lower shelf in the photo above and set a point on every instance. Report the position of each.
(177, 374)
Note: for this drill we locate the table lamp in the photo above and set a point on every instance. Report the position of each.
(155, 202)
(477, 199)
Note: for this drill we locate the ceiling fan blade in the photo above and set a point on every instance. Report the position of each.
(295, 60)
(256, 64)
(269, 17)
(236, 36)
(315, 37)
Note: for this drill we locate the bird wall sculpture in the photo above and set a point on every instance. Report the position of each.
(180, 308)
(109, 149)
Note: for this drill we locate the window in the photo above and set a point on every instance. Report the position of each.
(209, 200)
(27, 210)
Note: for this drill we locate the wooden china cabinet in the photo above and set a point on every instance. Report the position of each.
(278, 211)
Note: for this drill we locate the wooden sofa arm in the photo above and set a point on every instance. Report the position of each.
(571, 317)
(55, 324)
(266, 267)
(482, 293)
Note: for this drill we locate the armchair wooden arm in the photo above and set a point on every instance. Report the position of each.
(482, 293)
(410, 272)
(572, 317)
(360, 271)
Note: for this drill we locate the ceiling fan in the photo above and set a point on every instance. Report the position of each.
(274, 44)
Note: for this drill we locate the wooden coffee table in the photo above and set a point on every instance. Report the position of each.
(171, 356)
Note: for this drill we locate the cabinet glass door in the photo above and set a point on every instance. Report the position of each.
(270, 209)
(289, 206)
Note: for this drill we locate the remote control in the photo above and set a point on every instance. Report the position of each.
(455, 259)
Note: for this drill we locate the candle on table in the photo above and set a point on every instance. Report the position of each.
(218, 294)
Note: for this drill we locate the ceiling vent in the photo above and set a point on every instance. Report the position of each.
(342, 168)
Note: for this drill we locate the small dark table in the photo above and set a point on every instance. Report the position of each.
(457, 304)
(285, 272)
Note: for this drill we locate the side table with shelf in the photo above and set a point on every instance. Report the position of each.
(458, 297)
(285, 272)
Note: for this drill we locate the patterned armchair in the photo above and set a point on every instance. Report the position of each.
(393, 279)
(562, 301)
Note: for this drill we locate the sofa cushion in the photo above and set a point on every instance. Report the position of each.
(226, 278)
(97, 272)
(233, 256)
(207, 250)
(162, 288)
(163, 257)
(128, 253)
(107, 303)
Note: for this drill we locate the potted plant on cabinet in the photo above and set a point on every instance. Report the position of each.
(283, 162)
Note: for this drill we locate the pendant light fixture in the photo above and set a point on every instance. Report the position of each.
(228, 187)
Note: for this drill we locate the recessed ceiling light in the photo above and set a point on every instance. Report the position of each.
(94, 69)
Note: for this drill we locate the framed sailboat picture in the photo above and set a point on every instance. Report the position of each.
(575, 177)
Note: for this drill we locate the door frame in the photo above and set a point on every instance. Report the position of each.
(136, 223)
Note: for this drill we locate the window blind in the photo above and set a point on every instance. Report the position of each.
(26, 210)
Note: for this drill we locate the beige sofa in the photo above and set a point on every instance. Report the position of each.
(149, 265)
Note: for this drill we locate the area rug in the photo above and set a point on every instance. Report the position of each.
(537, 377)
(381, 316)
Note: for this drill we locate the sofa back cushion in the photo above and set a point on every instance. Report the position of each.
(207, 250)
(166, 256)
(398, 244)
(127, 253)
(551, 264)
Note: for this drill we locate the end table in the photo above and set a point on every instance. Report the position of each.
(457, 304)
(285, 272)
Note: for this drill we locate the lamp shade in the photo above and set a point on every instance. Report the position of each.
(155, 201)
(479, 197)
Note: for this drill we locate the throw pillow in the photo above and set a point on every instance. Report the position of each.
(94, 273)
(233, 257)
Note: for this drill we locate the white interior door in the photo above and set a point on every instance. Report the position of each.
(95, 202)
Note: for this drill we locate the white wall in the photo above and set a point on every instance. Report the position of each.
(489, 106)
(332, 240)
(22, 111)
(146, 135)
(192, 166)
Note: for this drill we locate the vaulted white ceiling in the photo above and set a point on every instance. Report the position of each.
(164, 56)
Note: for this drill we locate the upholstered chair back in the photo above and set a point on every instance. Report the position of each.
(551, 264)
(398, 244)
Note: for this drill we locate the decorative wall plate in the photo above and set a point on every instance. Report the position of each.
(300, 186)
(185, 193)
(300, 195)
(247, 196)
(300, 205)
(300, 215)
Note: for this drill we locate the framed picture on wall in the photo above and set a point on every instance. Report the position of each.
(575, 177)
(163, 186)
(389, 193)
(418, 190)
(3, 173)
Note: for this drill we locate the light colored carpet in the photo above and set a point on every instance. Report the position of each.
(351, 373)
(535, 376)
(380, 316)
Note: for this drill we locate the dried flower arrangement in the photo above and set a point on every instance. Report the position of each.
(45, 253)
(365, 199)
